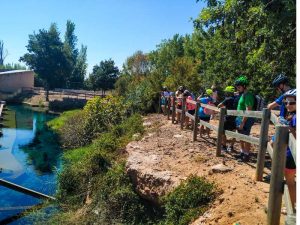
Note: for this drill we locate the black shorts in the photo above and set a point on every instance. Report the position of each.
(192, 112)
(179, 106)
(229, 125)
(206, 119)
(290, 163)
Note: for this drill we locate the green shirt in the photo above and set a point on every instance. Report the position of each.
(246, 100)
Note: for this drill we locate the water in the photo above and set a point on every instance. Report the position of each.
(29, 156)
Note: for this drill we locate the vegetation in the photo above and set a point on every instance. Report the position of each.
(253, 38)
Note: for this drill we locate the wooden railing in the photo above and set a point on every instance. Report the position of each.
(277, 154)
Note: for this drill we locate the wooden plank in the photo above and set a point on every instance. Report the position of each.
(270, 149)
(179, 110)
(277, 171)
(214, 108)
(262, 146)
(212, 127)
(245, 113)
(191, 102)
(242, 137)
(274, 119)
(196, 122)
(192, 117)
(220, 131)
(24, 190)
(292, 145)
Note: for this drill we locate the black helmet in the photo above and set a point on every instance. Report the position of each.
(280, 79)
(165, 88)
(186, 93)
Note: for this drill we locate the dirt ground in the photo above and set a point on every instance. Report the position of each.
(241, 200)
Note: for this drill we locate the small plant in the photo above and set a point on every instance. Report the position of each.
(188, 201)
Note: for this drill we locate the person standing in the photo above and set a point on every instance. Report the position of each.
(244, 124)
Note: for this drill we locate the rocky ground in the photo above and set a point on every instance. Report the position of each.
(166, 155)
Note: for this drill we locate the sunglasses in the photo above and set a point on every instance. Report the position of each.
(290, 103)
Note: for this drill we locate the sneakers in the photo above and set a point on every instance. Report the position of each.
(244, 158)
(223, 148)
(229, 149)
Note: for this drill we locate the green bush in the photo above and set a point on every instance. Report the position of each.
(57, 123)
(188, 201)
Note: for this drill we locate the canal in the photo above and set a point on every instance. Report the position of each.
(29, 156)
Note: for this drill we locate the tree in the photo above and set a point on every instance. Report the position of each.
(3, 53)
(104, 75)
(46, 57)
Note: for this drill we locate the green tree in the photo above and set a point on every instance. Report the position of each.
(104, 75)
(46, 57)
(3, 53)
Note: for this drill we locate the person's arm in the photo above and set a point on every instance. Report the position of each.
(272, 105)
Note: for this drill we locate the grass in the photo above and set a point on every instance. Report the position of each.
(57, 123)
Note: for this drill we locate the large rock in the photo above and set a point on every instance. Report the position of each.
(150, 182)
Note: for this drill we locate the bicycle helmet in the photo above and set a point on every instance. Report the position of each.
(186, 93)
(290, 93)
(181, 88)
(209, 92)
(230, 89)
(241, 81)
(280, 79)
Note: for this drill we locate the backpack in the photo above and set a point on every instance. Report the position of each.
(259, 103)
(209, 111)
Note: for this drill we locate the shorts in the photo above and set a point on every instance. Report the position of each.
(247, 127)
(229, 125)
(179, 106)
(290, 163)
(206, 119)
(192, 112)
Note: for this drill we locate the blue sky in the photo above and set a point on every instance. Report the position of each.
(110, 28)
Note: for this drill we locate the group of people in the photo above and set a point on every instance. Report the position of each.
(238, 97)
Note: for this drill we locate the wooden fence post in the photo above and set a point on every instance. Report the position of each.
(196, 121)
(173, 109)
(182, 118)
(277, 171)
(220, 130)
(263, 142)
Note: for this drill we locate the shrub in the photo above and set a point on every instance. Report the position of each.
(188, 201)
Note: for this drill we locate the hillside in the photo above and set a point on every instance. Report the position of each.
(166, 155)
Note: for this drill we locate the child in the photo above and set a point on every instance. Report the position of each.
(179, 96)
(203, 114)
(289, 100)
(189, 106)
(230, 102)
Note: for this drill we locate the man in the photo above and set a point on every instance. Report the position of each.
(281, 85)
(244, 124)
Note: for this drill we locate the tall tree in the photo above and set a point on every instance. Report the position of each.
(104, 75)
(46, 57)
(3, 53)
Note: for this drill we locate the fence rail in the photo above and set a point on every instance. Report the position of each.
(277, 153)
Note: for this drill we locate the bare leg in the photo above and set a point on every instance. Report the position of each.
(290, 181)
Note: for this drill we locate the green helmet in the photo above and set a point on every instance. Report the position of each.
(230, 89)
(242, 80)
(209, 92)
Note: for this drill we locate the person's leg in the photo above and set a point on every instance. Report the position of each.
(291, 183)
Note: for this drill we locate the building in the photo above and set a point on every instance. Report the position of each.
(14, 80)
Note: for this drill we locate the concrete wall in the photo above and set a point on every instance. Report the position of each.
(12, 81)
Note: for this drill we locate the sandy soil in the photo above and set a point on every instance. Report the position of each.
(241, 200)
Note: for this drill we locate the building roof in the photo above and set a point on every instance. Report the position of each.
(15, 71)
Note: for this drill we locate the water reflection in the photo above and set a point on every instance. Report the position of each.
(29, 156)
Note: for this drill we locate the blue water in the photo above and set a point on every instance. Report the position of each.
(29, 156)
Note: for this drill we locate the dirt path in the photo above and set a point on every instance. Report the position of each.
(169, 151)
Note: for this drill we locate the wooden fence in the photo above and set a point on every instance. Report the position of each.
(67, 93)
(277, 152)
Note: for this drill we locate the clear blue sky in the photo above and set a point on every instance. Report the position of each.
(109, 28)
